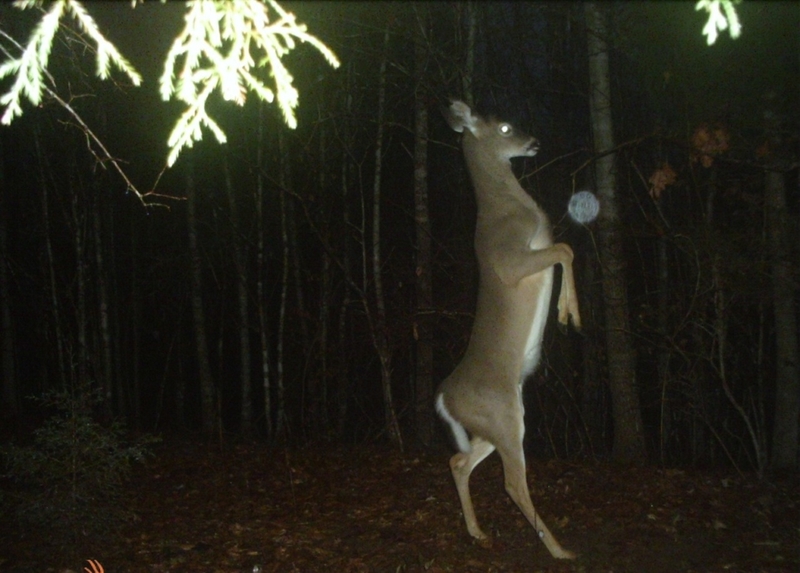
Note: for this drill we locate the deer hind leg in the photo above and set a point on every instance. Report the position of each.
(461, 465)
(517, 487)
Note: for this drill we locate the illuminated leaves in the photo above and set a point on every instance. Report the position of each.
(222, 46)
(106, 51)
(708, 142)
(225, 45)
(661, 178)
(717, 21)
(29, 68)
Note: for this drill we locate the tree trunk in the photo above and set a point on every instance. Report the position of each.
(296, 266)
(79, 237)
(10, 402)
(722, 313)
(787, 382)
(306, 386)
(663, 351)
(380, 336)
(319, 395)
(629, 444)
(424, 289)
(136, 328)
(344, 382)
(55, 307)
(210, 422)
(467, 79)
(240, 259)
(281, 422)
(262, 272)
(105, 372)
(104, 369)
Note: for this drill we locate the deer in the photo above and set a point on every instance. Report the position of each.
(481, 400)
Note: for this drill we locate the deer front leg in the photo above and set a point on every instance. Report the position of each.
(568, 296)
(461, 465)
(517, 487)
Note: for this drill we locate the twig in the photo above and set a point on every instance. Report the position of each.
(90, 134)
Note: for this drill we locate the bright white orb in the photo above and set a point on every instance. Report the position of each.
(583, 207)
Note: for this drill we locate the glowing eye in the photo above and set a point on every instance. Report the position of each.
(505, 129)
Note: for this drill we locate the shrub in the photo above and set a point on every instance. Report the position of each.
(70, 479)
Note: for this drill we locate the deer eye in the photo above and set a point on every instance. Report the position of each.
(504, 129)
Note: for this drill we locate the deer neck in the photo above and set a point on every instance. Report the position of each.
(496, 186)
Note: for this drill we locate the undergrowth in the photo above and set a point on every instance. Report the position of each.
(70, 481)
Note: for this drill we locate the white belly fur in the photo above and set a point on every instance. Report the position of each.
(533, 346)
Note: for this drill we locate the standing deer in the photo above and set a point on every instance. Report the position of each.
(516, 255)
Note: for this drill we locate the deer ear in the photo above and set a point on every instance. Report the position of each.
(453, 122)
(459, 116)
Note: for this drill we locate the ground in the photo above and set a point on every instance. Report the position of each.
(252, 508)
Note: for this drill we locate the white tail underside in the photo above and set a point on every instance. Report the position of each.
(459, 433)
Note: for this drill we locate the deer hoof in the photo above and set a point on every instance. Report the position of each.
(485, 542)
(565, 554)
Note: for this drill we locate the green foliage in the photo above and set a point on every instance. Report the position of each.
(222, 46)
(32, 64)
(717, 22)
(71, 478)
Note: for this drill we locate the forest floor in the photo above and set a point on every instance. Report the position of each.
(250, 508)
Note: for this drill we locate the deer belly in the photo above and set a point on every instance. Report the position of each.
(533, 346)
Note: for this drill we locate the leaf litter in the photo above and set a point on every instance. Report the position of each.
(253, 508)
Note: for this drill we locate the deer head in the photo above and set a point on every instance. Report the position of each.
(500, 137)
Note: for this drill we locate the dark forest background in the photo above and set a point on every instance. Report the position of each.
(242, 299)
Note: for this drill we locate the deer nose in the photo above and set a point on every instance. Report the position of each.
(533, 145)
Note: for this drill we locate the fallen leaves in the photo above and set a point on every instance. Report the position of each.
(371, 509)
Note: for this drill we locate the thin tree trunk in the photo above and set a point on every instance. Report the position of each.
(240, 258)
(281, 422)
(106, 370)
(344, 383)
(136, 327)
(210, 423)
(180, 396)
(287, 184)
(320, 396)
(379, 333)
(262, 272)
(307, 386)
(663, 352)
(9, 398)
(629, 444)
(787, 379)
(424, 289)
(593, 406)
(55, 308)
(120, 386)
(467, 80)
(79, 222)
(294, 252)
(720, 343)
